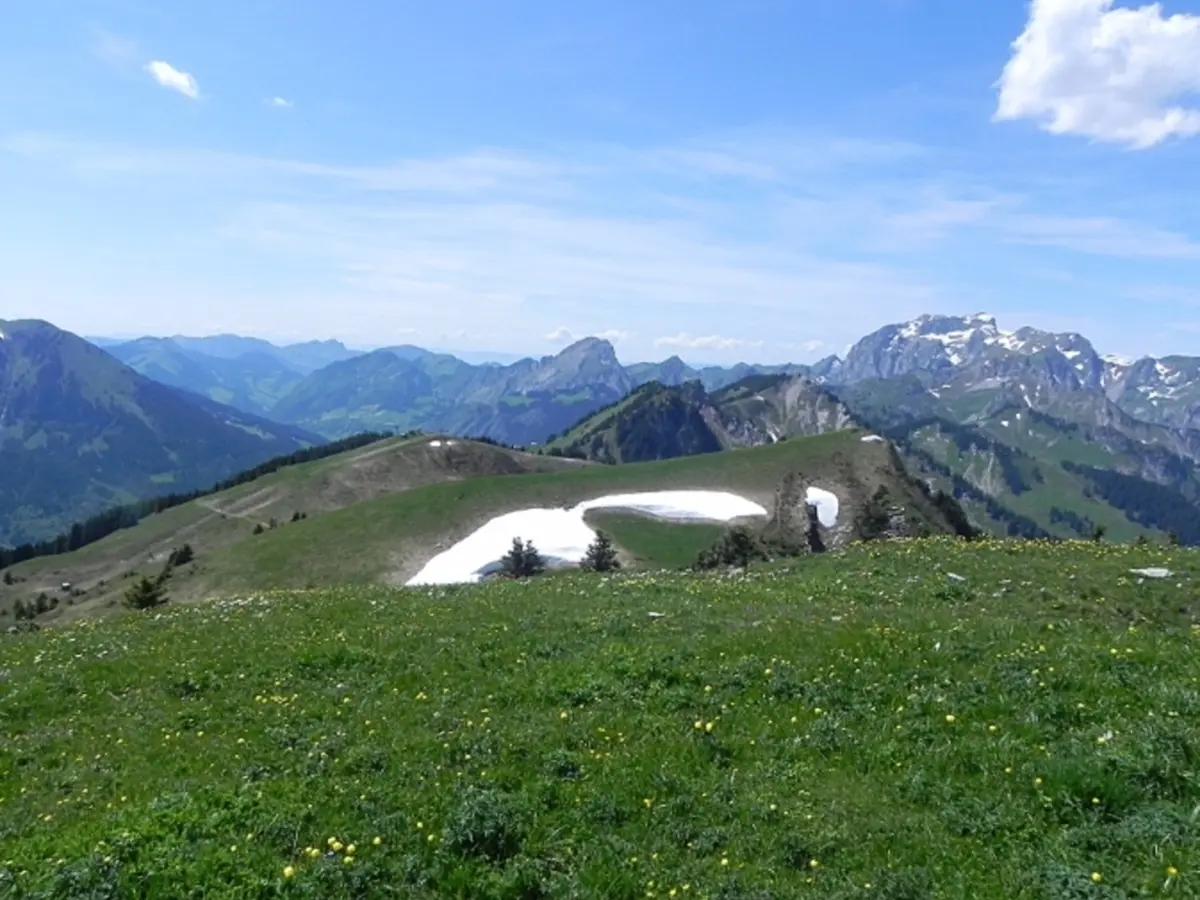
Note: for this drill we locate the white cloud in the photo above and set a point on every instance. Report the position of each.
(1082, 67)
(708, 342)
(173, 79)
(280, 103)
(813, 346)
(559, 335)
(614, 336)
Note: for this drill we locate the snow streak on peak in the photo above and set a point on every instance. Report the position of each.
(954, 333)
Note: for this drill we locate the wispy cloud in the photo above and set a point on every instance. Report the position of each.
(112, 48)
(614, 335)
(467, 173)
(173, 79)
(280, 103)
(773, 155)
(613, 240)
(1082, 67)
(1099, 236)
(686, 341)
(1178, 295)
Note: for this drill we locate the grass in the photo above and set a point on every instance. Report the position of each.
(654, 543)
(213, 523)
(390, 537)
(1058, 488)
(860, 718)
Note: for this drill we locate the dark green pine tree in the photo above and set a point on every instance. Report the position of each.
(601, 555)
(146, 593)
(181, 556)
(522, 560)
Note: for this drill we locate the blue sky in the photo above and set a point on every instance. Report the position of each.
(751, 179)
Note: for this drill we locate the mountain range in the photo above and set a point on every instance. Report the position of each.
(81, 432)
(1035, 432)
(408, 387)
(334, 391)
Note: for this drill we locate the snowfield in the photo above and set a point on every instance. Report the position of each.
(826, 503)
(562, 536)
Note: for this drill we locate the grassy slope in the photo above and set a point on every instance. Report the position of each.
(872, 723)
(598, 421)
(1058, 488)
(893, 400)
(390, 538)
(215, 523)
(387, 539)
(653, 543)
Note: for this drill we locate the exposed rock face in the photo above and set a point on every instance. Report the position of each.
(795, 520)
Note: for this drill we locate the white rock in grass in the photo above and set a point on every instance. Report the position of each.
(1152, 572)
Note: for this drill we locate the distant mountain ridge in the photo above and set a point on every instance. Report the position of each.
(527, 400)
(81, 432)
(976, 406)
(1017, 470)
(407, 387)
(1002, 417)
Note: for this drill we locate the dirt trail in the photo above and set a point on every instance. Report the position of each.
(257, 501)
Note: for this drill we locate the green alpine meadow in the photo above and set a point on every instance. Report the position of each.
(605, 450)
(915, 718)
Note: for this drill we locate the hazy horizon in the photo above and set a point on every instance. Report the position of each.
(765, 180)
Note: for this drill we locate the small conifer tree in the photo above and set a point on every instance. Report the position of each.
(181, 556)
(601, 555)
(522, 560)
(146, 592)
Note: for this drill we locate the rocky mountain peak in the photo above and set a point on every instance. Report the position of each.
(591, 362)
(949, 328)
(591, 348)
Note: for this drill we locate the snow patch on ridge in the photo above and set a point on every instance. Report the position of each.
(562, 536)
(826, 503)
